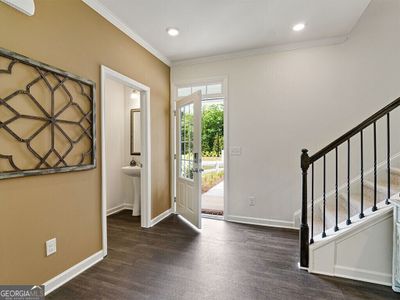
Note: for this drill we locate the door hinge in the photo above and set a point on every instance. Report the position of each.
(174, 156)
(175, 199)
(174, 113)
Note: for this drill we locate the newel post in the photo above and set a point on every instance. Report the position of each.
(304, 230)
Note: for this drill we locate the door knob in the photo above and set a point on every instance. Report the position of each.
(198, 170)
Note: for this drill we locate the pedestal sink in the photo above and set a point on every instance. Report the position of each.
(134, 172)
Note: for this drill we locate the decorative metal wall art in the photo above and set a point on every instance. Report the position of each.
(47, 119)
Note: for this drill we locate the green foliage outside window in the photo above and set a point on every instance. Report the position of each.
(212, 132)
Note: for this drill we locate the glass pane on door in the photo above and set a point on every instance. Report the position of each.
(186, 157)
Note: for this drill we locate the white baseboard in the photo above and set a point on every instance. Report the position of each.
(364, 275)
(161, 217)
(359, 275)
(260, 221)
(72, 272)
(118, 208)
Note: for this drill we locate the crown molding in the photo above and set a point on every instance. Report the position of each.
(265, 50)
(110, 17)
(25, 6)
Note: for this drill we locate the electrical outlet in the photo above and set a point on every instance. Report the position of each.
(51, 247)
(252, 201)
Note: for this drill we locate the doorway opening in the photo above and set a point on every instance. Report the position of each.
(213, 140)
(125, 145)
(212, 150)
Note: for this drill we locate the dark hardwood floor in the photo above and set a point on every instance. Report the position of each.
(224, 261)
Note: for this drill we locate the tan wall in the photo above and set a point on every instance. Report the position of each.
(69, 35)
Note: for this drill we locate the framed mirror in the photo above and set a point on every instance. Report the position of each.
(135, 132)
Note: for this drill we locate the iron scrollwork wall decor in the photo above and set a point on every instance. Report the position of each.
(47, 119)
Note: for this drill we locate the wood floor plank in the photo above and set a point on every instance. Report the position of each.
(223, 261)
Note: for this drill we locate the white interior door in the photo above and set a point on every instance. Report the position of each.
(188, 158)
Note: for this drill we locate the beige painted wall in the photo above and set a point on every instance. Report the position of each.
(69, 35)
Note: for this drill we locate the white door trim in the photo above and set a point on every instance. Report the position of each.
(145, 151)
(174, 97)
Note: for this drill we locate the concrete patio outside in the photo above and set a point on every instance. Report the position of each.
(213, 199)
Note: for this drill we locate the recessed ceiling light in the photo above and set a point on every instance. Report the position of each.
(299, 27)
(173, 31)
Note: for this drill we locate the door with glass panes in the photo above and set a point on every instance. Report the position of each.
(188, 158)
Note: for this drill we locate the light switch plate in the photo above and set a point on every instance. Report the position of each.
(252, 201)
(236, 151)
(51, 247)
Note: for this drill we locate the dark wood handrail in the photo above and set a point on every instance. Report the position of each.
(375, 117)
(307, 160)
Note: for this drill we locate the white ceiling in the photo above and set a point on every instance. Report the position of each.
(213, 27)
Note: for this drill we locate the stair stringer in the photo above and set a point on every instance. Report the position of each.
(362, 251)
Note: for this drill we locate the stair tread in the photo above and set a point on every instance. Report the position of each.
(317, 225)
(330, 212)
(382, 206)
(395, 170)
(381, 184)
(355, 201)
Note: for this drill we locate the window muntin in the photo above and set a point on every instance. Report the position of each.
(209, 90)
(213, 89)
(201, 88)
(186, 157)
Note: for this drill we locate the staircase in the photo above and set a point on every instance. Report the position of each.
(361, 195)
(355, 205)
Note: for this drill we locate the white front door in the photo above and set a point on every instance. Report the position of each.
(188, 158)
